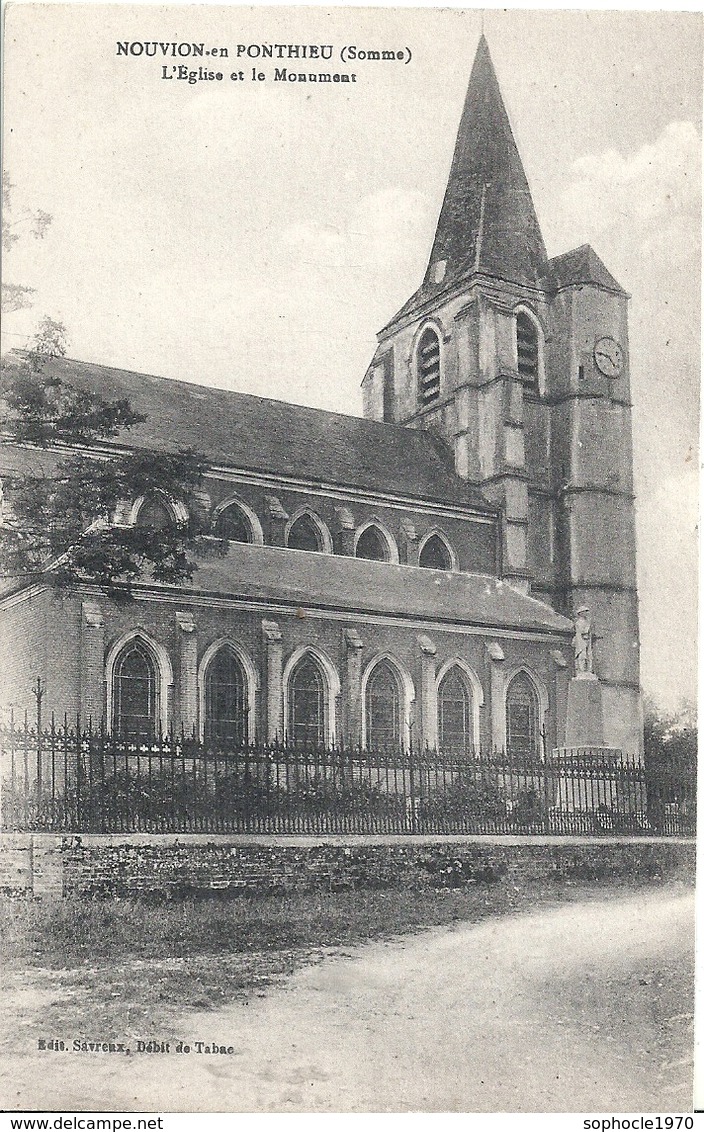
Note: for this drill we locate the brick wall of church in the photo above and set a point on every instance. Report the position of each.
(81, 625)
(40, 638)
(23, 648)
(473, 540)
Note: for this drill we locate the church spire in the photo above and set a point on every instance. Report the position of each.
(487, 221)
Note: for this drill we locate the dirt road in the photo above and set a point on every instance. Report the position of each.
(586, 1007)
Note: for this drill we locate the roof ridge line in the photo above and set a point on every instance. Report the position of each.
(347, 450)
(232, 392)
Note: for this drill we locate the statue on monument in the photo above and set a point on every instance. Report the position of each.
(582, 643)
(584, 725)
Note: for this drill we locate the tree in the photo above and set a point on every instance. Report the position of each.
(64, 514)
(670, 743)
(66, 499)
(670, 738)
(15, 296)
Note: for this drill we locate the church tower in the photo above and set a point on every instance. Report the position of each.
(519, 364)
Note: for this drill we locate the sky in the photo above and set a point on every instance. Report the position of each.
(255, 235)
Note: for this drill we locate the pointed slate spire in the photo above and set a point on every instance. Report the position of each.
(487, 221)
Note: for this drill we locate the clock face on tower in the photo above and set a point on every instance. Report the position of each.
(608, 357)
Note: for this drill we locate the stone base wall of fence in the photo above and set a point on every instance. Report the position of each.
(163, 866)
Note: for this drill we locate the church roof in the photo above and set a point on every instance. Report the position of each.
(581, 266)
(487, 221)
(336, 582)
(262, 435)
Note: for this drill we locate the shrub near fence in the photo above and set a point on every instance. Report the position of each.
(72, 780)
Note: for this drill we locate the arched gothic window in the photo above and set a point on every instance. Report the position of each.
(135, 692)
(383, 708)
(435, 555)
(428, 367)
(528, 351)
(306, 722)
(372, 544)
(233, 524)
(454, 713)
(154, 513)
(522, 718)
(226, 698)
(304, 535)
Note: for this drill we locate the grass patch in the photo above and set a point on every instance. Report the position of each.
(117, 968)
(77, 928)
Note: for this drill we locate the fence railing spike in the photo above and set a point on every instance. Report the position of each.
(157, 781)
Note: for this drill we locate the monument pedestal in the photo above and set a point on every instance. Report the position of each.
(590, 780)
(585, 714)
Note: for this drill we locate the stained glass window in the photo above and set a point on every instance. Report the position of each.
(383, 708)
(435, 555)
(232, 524)
(454, 712)
(307, 703)
(135, 693)
(225, 698)
(522, 734)
(304, 535)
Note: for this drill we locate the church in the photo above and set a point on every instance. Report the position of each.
(411, 579)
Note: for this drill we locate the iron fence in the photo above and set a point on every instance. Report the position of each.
(74, 779)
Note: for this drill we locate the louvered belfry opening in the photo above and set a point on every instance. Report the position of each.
(527, 342)
(429, 367)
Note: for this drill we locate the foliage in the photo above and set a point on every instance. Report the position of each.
(67, 498)
(66, 514)
(609, 819)
(40, 409)
(529, 808)
(239, 922)
(469, 796)
(15, 296)
(185, 793)
(671, 740)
